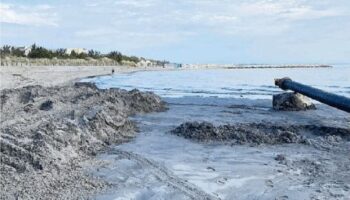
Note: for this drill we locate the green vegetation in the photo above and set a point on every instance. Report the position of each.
(115, 55)
(75, 55)
(40, 52)
(10, 50)
(36, 51)
(94, 54)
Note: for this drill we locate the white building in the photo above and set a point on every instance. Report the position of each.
(25, 50)
(144, 63)
(76, 50)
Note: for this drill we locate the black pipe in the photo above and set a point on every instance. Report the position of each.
(337, 101)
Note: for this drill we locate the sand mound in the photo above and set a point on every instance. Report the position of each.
(46, 132)
(257, 133)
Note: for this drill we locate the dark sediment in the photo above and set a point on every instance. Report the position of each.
(291, 101)
(258, 133)
(47, 133)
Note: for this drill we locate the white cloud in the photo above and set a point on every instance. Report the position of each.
(133, 39)
(36, 15)
(159, 21)
(287, 9)
(136, 3)
(258, 17)
(143, 24)
(255, 17)
(306, 13)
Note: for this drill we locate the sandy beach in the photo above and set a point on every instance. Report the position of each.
(44, 117)
(66, 140)
(20, 76)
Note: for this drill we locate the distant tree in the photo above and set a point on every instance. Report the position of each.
(75, 55)
(82, 55)
(33, 46)
(60, 53)
(5, 51)
(17, 52)
(131, 58)
(40, 52)
(94, 54)
(115, 55)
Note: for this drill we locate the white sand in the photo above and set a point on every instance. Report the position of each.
(19, 76)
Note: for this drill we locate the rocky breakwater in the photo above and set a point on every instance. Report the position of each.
(48, 134)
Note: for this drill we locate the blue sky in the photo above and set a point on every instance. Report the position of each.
(188, 31)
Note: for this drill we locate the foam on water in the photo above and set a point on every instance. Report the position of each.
(227, 83)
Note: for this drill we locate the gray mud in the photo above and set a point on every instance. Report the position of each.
(326, 172)
(261, 133)
(160, 165)
(48, 136)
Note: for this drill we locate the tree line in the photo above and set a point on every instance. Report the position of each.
(41, 52)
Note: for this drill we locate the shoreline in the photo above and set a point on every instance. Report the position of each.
(28, 115)
(19, 76)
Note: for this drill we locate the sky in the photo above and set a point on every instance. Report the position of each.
(187, 31)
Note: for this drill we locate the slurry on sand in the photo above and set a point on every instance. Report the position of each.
(313, 161)
(232, 149)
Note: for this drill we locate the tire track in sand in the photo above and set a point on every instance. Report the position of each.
(164, 175)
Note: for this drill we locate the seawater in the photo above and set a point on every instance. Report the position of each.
(227, 83)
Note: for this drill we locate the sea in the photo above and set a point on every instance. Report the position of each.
(227, 83)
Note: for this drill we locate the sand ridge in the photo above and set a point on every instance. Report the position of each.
(47, 133)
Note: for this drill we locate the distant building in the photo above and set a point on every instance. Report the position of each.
(145, 63)
(25, 50)
(68, 51)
